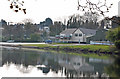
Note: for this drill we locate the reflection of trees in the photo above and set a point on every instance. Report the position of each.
(20, 58)
(114, 69)
(68, 65)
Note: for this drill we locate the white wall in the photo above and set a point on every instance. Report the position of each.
(0, 24)
(119, 8)
(81, 38)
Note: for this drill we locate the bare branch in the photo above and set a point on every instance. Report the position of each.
(94, 7)
(16, 5)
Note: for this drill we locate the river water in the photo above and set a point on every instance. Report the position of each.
(34, 63)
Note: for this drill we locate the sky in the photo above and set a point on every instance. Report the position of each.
(39, 10)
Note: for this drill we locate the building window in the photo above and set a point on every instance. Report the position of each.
(76, 34)
(91, 33)
(78, 63)
(74, 63)
(80, 34)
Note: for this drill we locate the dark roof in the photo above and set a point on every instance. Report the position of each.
(88, 31)
(68, 31)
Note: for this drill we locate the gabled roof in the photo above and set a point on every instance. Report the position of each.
(69, 31)
(88, 31)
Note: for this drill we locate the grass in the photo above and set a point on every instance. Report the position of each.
(101, 48)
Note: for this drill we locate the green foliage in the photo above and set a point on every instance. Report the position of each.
(19, 32)
(101, 48)
(114, 36)
(35, 37)
(114, 69)
(30, 29)
(117, 44)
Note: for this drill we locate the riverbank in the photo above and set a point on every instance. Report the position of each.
(77, 48)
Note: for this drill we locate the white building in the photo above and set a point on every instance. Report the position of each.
(76, 34)
(0, 24)
(119, 8)
(47, 29)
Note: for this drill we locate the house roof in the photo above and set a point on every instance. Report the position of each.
(68, 31)
(87, 32)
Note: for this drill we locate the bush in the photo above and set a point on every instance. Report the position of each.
(117, 44)
(114, 36)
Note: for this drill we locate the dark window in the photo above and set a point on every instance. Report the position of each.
(76, 34)
(78, 63)
(80, 34)
(74, 63)
(91, 33)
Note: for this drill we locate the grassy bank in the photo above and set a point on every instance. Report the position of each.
(95, 51)
(65, 47)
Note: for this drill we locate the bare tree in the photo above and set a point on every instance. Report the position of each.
(16, 5)
(25, 21)
(100, 7)
(94, 7)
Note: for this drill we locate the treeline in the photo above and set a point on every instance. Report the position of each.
(42, 31)
(21, 32)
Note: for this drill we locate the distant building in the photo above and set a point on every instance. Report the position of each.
(45, 24)
(108, 24)
(0, 24)
(3, 22)
(119, 8)
(47, 29)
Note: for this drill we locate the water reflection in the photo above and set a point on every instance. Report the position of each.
(114, 69)
(33, 63)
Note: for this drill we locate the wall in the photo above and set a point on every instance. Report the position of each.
(78, 38)
(119, 8)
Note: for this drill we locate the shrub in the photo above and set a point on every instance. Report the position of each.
(117, 44)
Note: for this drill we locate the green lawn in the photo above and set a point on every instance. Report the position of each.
(101, 48)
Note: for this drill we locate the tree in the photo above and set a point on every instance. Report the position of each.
(114, 69)
(114, 36)
(48, 22)
(92, 6)
(88, 6)
(88, 20)
(35, 37)
(29, 27)
(56, 28)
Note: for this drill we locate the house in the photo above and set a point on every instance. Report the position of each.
(100, 36)
(76, 35)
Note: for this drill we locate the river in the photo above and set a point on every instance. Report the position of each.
(38, 63)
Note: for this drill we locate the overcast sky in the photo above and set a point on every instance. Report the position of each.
(38, 10)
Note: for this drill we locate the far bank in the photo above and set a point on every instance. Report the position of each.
(78, 48)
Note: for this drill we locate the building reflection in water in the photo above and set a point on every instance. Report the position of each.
(47, 62)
